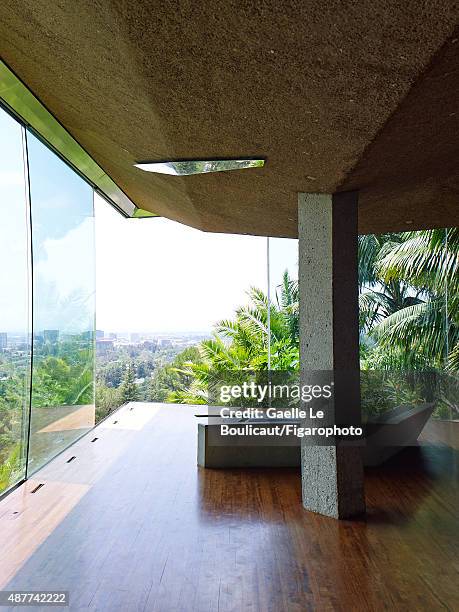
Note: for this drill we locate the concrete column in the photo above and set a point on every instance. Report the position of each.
(332, 476)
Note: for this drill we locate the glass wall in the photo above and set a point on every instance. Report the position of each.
(63, 304)
(409, 321)
(14, 305)
(191, 311)
(408, 318)
(47, 304)
(409, 333)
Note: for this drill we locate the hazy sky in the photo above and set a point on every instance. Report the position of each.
(151, 274)
(158, 275)
(13, 243)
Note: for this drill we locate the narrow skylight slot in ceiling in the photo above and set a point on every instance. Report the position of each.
(186, 168)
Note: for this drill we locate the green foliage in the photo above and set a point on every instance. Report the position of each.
(174, 379)
(107, 400)
(409, 314)
(129, 391)
(382, 390)
(241, 345)
(111, 374)
(379, 299)
(63, 375)
(422, 323)
(453, 362)
(10, 467)
(409, 292)
(409, 324)
(63, 380)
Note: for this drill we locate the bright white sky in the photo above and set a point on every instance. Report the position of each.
(160, 276)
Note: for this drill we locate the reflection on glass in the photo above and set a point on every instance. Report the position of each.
(63, 304)
(14, 311)
(185, 168)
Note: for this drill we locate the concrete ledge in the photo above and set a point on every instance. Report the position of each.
(385, 437)
(259, 453)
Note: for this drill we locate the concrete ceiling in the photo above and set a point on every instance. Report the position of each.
(336, 96)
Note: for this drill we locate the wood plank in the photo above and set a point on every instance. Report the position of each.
(30, 518)
(133, 524)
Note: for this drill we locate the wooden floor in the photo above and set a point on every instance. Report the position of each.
(132, 524)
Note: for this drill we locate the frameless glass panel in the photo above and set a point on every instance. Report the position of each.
(409, 323)
(203, 310)
(63, 304)
(15, 353)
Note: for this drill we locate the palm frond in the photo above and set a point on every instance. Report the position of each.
(426, 259)
(419, 329)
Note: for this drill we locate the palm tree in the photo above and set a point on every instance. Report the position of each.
(370, 248)
(380, 298)
(453, 360)
(429, 262)
(247, 333)
(409, 309)
(287, 296)
(428, 258)
(241, 344)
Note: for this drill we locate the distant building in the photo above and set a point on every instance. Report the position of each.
(150, 345)
(113, 336)
(104, 346)
(135, 337)
(3, 340)
(38, 340)
(51, 336)
(100, 334)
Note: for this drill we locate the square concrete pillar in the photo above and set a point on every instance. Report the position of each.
(332, 476)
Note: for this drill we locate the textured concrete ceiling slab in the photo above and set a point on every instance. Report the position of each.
(335, 95)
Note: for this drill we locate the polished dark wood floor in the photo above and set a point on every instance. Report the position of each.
(132, 524)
